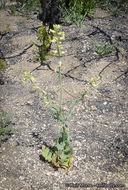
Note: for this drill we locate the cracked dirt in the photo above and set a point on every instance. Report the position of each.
(99, 124)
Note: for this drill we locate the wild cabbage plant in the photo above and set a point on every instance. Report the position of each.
(62, 154)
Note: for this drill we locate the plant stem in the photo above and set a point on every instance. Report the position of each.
(60, 78)
(61, 92)
(67, 116)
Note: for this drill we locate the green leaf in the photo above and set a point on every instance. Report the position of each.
(46, 153)
(54, 109)
(66, 163)
(60, 146)
(43, 58)
(63, 157)
(56, 112)
(68, 150)
(37, 57)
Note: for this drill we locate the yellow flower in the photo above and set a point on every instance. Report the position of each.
(60, 63)
(36, 88)
(92, 79)
(47, 103)
(45, 98)
(52, 31)
(62, 37)
(54, 52)
(60, 46)
(54, 39)
(44, 92)
(64, 52)
(26, 74)
(25, 80)
(60, 33)
(94, 84)
(32, 79)
(87, 89)
(56, 27)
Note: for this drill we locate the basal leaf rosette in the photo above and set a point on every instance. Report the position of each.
(62, 154)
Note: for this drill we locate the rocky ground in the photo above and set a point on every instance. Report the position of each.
(99, 125)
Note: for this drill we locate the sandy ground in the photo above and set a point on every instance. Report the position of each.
(99, 125)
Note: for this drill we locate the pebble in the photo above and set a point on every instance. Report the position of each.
(77, 143)
(21, 178)
(75, 163)
(93, 108)
(29, 103)
(56, 174)
(105, 103)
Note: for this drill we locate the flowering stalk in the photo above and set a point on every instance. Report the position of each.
(57, 37)
(62, 154)
(60, 76)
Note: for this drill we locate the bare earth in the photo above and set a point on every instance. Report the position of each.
(99, 125)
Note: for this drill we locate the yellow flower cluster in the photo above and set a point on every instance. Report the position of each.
(47, 101)
(93, 82)
(42, 92)
(57, 38)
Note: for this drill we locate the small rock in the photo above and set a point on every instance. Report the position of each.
(75, 163)
(29, 103)
(21, 178)
(93, 108)
(56, 174)
(78, 143)
(105, 103)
